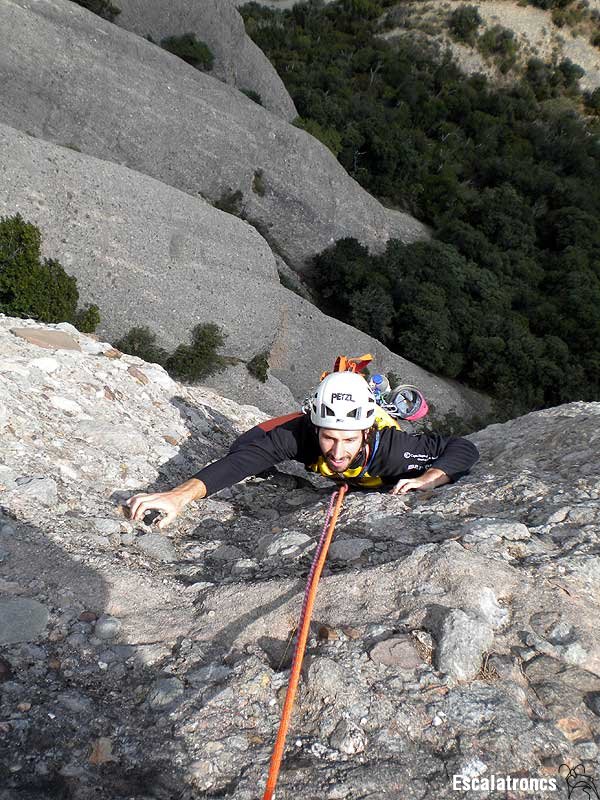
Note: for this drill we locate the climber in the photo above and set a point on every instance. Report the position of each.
(342, 434)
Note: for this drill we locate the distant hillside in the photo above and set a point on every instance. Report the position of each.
(536, 35)
(506, 296)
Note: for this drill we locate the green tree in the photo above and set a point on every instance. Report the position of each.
(200, 359)
(141, 342)
(507, 178)
(34, 287)
(464, 23)
(372, 311)
(328, 136)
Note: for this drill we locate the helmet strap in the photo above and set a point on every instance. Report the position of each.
(363, 454)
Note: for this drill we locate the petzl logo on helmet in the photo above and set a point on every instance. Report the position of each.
(342, 396)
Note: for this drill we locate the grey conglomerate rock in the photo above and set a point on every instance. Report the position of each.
(463, 640)
(496, 572)
(22, 619)
(238, 61)
(111, 94)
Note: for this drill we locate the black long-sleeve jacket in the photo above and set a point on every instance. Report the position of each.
(394, 455)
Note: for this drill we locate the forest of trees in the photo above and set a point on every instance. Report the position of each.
(506, 295)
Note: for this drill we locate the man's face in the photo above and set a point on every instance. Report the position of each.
(339, 448)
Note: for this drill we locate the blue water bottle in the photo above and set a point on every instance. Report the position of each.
(380, 387)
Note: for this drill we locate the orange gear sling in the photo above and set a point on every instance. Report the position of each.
(303, 628)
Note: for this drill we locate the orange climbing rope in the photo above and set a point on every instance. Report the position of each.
(303, 628)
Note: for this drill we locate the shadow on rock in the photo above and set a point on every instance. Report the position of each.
(75, 718)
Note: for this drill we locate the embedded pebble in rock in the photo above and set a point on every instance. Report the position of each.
(463, 639)
(65, 404)
(217, 510)
(482, 529)
(22, 620)
(164, 692)
(75, 703)
(37, 490)
(48, 365)
(6, 529)
(191, 703)
(46, 337)
(213, 673)
(107, 526)
(290, 544)
(107, 627)
(157, 546)
(397, 652)
(244, 566)
(227, 552)
(490, 608)
(349, 549)
(588, 750)
(348, 738)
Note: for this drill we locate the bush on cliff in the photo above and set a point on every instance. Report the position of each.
(188, 362)
(33, 287)
(259, 366)
(464, 22)
(103, 8)
(191, 50)
(193, 362)
(141, 342)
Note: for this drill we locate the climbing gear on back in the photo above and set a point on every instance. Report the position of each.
(303, 629)
(406, 402)
(380, 386)
(343, 401)
(349, 364)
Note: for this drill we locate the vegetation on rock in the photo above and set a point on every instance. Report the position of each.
(191, 50)
(464, 23)
(500, 44)
(200, 359)
(103, 8)
(574, 14)
(327, 136)
(252, 95)
(258, 183)
(259, 366)
(231, 202)
(37, 288)
(188, 362)
(141, 342)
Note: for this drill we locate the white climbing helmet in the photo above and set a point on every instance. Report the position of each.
(343, 401)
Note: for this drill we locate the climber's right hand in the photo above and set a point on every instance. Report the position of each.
(171, 503)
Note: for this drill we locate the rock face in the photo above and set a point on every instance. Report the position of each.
(238, 61)
(149, 254)
(120, 98)
(172, 671)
